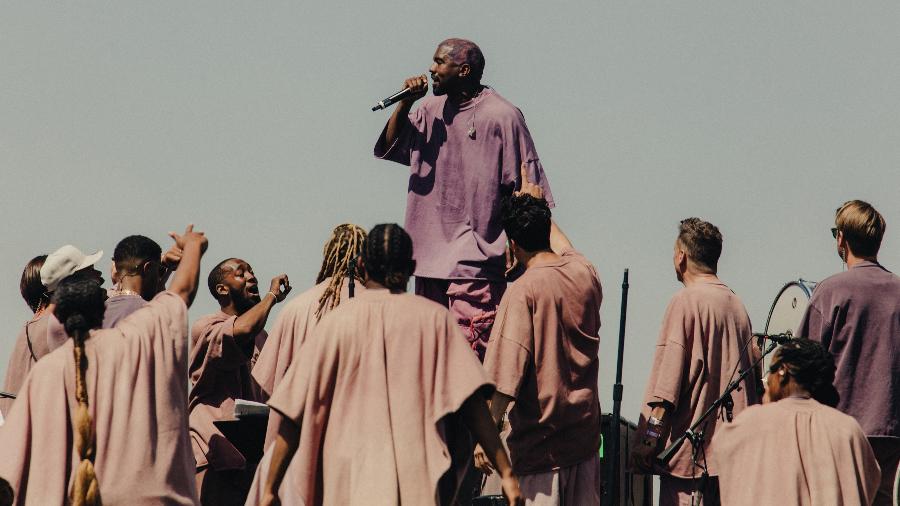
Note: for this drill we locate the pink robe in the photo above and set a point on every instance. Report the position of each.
(138, 401)
(705, 336)
(31, 346)
(374, 393)
(795, 452)
(295, 323)
(220, 373)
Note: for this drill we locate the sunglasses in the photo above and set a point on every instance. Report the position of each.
(834, 232)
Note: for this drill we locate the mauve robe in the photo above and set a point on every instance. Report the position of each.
(220, 373)
(456, 182)
(374, 392)
(856, 317)
(21, 359)
(705, 334)
(795, 452)
(295, 323)
(137, 393)
(118, 307)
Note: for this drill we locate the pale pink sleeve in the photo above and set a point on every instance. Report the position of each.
(309, 380)
(518, 147)
(510, 347)
(673, 352)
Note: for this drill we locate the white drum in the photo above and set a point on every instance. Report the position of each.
(787, 311)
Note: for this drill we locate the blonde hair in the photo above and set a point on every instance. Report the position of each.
(343, 247)
(863, 227)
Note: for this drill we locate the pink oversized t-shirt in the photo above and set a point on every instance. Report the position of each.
(543, 353)
(456, 182)
(705, 338)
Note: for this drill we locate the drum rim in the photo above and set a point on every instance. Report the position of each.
(802, 283)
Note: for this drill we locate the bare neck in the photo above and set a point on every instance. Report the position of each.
(692, 277)
(853, 260)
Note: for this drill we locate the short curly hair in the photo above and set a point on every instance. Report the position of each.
(702, 242)
(526, 220)
(811, 366)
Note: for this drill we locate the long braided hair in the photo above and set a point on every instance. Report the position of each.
(812, 366)
(344, 245)
(388, 256)
(80, 306)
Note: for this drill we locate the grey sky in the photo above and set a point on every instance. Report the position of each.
(252, 120)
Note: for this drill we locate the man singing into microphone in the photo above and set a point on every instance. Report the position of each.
(464, 147)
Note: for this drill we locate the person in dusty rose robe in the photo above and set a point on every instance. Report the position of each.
(464, 147)
(224, 347)
(139, 271)
(300, 315)
(796, 449)
(704, 343)
(377, 408)
(542, 356)
(104, 417)
(44, 333)
(856, 316)
(31, 344)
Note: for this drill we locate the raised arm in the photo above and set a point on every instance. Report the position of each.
(249, 324)
(399, 118)
(558, 240)
(192, 245)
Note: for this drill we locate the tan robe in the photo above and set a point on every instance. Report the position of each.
(31, 346)
(795, 452)
(295, 323)
(705, 336)
(220, 373)
(137, 391)
(374, 393)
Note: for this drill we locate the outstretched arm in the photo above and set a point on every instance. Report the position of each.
(193, 245)
(477, 418)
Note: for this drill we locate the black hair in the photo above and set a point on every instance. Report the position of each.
(812, 367)
(526, 220)
(80, 304)
(216, 275)
(33, 291)
(133, 251)
(388, 254)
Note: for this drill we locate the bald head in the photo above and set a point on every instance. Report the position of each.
(463, 51)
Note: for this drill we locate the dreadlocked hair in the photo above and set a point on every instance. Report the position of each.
(338, 256)
(812, 366)
(388, 256)
(80, 306)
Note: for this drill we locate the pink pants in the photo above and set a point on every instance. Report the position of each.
(472, 303)
(576, 485)
(678, 491)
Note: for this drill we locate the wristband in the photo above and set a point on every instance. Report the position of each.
(273, 295)
(651, 433)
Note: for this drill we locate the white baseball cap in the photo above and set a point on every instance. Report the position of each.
(64, 262)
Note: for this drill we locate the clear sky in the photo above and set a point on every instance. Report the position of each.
(252, 120)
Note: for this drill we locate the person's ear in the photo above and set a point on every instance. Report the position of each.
(222, 290)
(145, 268)
(464, 70)
(113, 274)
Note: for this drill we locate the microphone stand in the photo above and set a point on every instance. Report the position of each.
(696, 436)
(351, 284)
(612, 457)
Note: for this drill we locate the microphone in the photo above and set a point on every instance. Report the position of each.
(396, 97)
(775, 338)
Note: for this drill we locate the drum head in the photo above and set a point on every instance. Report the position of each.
(787, 311)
